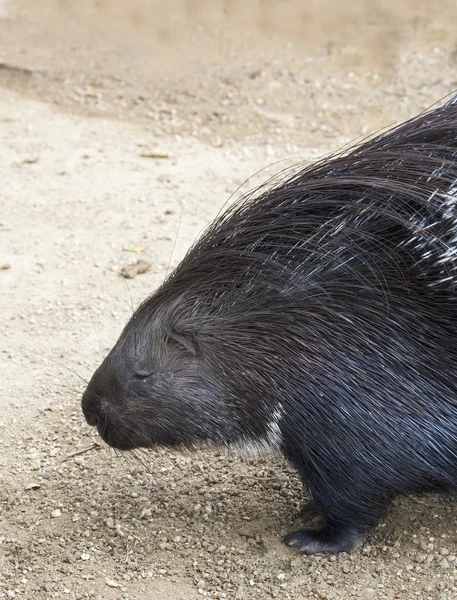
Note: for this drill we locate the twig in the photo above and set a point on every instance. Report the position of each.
(93, 446)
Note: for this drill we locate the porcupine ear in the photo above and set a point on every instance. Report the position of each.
(187, 341)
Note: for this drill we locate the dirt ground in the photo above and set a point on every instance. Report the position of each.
(124, 128)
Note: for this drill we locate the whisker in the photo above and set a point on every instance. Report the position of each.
(174, 243)
(99, 338)
(132, 318)
(46, 357)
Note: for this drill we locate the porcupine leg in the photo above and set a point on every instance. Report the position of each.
(309, 512)
(342, 515)
(340, 529)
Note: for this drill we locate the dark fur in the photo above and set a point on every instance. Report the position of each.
(322, 308)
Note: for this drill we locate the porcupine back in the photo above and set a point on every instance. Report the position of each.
(393, 198)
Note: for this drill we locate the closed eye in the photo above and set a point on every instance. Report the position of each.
(141, 375)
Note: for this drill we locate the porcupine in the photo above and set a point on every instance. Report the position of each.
(318, 316)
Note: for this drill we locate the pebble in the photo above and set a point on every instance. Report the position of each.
(130, 272)
(85, 556)
(145, 513)
(56, 513)
(32, 486)
(155, 153)
(30, 160)
(111, 583)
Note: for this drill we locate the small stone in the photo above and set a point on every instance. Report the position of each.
(177, 539)
(85, 556)
(296, 561)
(444, 552)
(444, 564)
(32, 486)
(281, 576)
(56, 513)
(110, 523)
(130, 272)
(111, 583)
(145, 513)
(155, 153)
(346, 568)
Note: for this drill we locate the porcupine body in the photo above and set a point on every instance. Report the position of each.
(318, 316)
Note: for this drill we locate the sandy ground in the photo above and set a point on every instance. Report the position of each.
(90, 92)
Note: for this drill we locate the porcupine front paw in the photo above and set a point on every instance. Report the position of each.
(326, 539)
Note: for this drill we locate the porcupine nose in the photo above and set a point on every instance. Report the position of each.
(91, 406)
